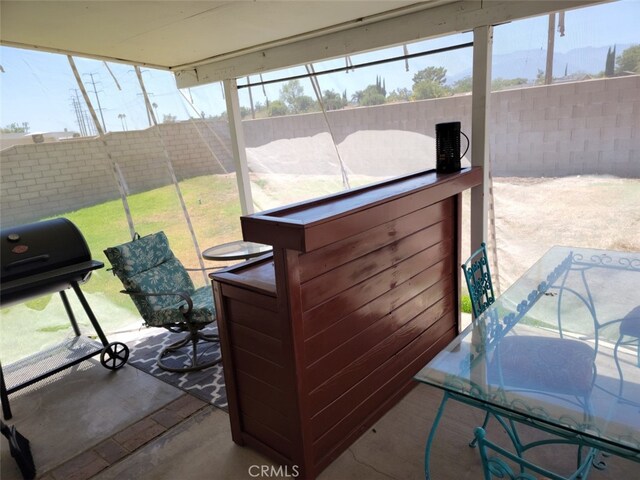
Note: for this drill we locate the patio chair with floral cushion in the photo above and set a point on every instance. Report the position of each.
(164, 294)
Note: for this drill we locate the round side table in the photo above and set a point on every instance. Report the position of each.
(238, 250)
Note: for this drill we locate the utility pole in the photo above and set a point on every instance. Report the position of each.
(147, 102)
(80, 114)
(548, 73)
(76, 110)
(253, 111)
(95, 92)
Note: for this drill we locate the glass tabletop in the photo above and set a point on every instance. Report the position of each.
(522, 356)
(238, 250)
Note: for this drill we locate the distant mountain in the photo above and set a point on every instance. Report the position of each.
(526, 63)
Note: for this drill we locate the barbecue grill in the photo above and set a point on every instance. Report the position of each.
(42, 258)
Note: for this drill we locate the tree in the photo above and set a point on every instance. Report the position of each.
(122, 117)
(168, 118)
(629, 60)
(333, 100)
(610, 62)
(505, 83)
(463, 85)
(372, 95)
(399, 95)
(277, 108)
(292, 95)
(431, 74)
(15, 128)
(429, 83)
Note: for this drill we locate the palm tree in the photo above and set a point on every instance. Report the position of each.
(122, 117)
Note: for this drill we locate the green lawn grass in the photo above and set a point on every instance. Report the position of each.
(212, 202)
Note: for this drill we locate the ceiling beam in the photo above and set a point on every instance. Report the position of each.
(432, 22)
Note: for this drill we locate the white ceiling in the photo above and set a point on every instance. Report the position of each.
(205, 41)
(176, 34)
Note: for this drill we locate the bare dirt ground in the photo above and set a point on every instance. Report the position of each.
(534, 214)
(531, 214)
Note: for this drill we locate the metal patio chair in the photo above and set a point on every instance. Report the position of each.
(629, 335)
(164, 294)
(573, 362)
(478, 276)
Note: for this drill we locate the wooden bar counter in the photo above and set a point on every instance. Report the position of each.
(322, 337)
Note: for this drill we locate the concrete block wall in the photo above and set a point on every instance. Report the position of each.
(578, 128)
(589, 127)
(50, 178)
(40, 180)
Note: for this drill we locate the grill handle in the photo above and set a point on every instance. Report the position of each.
(19, 263)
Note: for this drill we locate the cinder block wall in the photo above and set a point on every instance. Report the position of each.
(589, 127)
(51, 178)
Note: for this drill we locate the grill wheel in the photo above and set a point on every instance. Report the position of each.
(114, 355)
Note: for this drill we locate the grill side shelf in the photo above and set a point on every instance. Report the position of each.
(38, 366)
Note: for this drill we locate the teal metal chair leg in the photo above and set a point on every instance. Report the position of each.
(474, 442)
(495, 467)
(432, 434)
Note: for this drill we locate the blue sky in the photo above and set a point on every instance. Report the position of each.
(38, 87)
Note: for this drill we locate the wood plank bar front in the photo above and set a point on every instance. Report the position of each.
(321, 337)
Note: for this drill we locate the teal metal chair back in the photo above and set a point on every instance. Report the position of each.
(478, 276)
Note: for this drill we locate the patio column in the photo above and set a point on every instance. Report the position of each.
(481, 90)
(238, 146)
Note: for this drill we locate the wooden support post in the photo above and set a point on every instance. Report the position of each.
(482, 45)
(238, 146)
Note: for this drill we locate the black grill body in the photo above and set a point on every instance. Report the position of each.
(41, 258)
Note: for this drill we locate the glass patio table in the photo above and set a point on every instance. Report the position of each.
(573, 293)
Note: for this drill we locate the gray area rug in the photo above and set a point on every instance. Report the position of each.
(207, 384)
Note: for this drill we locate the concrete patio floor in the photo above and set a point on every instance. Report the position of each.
(89, 422)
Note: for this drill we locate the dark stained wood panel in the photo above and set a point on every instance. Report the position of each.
(360, 320)
(331, 389)
(269, 417)
(254, 427)
(329, 312)
(258, 367)
(258, 343)
(313, 224)
(396, 373)
(329, 284)
(256, 318)
(319, 261)
(257, 275)
(270, 395)
(382, 330)
(325, 335)
(248, 295)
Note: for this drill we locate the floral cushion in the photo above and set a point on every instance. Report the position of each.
(203, 310)
(147, 265)
(139, 255)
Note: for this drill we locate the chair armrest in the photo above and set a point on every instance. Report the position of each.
(184, 295)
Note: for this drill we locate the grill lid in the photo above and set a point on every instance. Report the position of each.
(39, 247)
